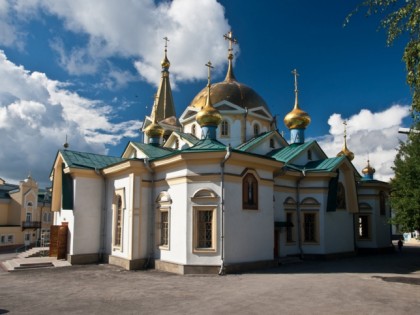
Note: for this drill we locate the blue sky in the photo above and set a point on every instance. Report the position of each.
(89, 69)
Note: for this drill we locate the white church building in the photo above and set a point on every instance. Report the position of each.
(217, 189)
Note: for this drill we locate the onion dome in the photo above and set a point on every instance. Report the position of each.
(154, 130)
(368, 170)
(345, 151)
(297, 118)
(208, 115)
(230, 89)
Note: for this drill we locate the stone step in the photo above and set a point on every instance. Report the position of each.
(33, 263)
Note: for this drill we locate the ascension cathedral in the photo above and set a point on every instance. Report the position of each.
(217, 189)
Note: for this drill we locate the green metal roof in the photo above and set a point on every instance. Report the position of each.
(88, 160)
(206, 145)
(245, 146)
(152, 151)
(187, 136)
(326, 165)
(288, 153)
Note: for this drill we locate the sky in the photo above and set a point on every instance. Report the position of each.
(88, 70)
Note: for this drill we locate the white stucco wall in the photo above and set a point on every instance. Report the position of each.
(88, 203)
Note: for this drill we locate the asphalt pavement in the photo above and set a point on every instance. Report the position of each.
(369, 284)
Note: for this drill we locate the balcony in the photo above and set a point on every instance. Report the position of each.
(31, 225)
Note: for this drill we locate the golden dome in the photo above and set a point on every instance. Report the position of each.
(369, 170)
(232, 91)
(208, 115)
(297, 118)
(154, 130)
(345, 151)
(165, 62)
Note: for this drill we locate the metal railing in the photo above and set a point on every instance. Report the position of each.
(31, 224)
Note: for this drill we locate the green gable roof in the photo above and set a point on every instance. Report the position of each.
(325, 165)
(187, 136)
(245, 146)
(287, 154)
(206, 145)
(152, 151)
(88, 160)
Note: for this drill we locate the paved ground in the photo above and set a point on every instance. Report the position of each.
(380, 284)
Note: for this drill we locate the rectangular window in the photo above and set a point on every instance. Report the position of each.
(309, 227)
(164, 228)
(289, 227)
(27, 237)
(204, 229)
(2, 239)
(10, 239)
(364, 227)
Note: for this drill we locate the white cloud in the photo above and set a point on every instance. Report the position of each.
(135, 29)
(369, 135)
(36, 114)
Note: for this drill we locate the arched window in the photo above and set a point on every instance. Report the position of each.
(118, 221)
(224, 128)
(341, 196)
(272, 143)
(250, 192)
(163, 219)
(256, 130)
(176, 144)
(193, 130)
(29, 212)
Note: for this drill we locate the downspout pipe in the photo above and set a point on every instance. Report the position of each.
(152, 212)
(222, 206)
(298, 182)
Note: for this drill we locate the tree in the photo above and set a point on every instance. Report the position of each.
(401, 17)
(405, 186)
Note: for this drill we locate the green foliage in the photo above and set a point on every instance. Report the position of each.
(400, 17)
(405, 193)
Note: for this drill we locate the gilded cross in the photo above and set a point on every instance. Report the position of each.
(166, 41)
(345, 128)
(231, 40)
(209, 66)
(296, 74)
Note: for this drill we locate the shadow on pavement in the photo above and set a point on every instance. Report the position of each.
(405, 262)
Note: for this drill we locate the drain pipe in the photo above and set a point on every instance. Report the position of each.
(152, 214)
(298, 212)
(222, 204)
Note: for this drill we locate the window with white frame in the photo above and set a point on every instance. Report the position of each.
(290, 233)
(2, 239)
(118, 216)
(204, 229)
(10, 238)
(193, 130)
(256, 130)
(250, 192)
(164, 227)
(224, 128)
(27, 237)
(310, 233)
